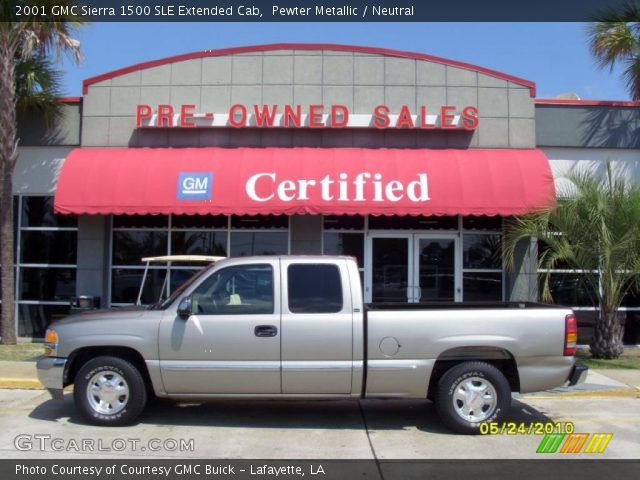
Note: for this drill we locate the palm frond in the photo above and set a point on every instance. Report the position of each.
(596, 230)
(615, 39)
(38, 88)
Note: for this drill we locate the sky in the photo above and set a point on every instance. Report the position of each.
(554, 55)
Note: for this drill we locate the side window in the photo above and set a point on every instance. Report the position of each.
(241, 290)
(314, 288)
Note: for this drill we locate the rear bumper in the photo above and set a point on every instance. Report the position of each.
(578, 375)
(51, 375)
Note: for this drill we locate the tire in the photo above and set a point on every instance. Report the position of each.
(464, 414)
(109, 391)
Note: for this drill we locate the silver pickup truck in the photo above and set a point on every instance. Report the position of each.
(296, 327)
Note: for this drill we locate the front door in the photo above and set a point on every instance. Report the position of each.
(412, 267)
(231, 343)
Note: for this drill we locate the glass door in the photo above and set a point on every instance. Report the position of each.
(436, 270)
(389, 270)
(411, 267)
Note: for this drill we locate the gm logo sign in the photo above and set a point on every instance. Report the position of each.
(195, 185)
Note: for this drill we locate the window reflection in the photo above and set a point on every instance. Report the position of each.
(199, 243)
(481, 251)
(244, 244)
(351, 244)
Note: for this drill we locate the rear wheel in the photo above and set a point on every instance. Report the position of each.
(109, 391)
(472, 393)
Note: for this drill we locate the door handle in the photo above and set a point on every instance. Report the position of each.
(266, 331)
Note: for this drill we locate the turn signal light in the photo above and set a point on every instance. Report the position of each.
(51, 336)
(50, 342)
(570, 335)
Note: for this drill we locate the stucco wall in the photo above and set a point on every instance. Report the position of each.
(594, 126)
(37, 169)
(65, 130)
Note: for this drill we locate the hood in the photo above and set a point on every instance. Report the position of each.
(116, 313)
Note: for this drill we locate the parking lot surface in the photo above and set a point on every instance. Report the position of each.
(33, 426)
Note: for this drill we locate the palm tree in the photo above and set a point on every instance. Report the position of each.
(595, 228)
(28, 39)
(616, 39)
(38, 88)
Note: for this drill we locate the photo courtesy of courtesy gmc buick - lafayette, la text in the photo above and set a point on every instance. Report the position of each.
(296, 327)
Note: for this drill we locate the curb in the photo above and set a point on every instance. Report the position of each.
(21, 383)
(611, 393)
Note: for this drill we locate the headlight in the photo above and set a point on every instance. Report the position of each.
(50, 342)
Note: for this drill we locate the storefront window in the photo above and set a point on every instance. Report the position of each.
(244, 244)
(46, 269)
(344, 222)
(259, 221)
(569, 289)
(51, 284)
(140, 221)
(567, 286)
(481, 251)
(482, 286)
(38, 212)
(481, 266)
(125, 285)
(344, 235)
(341, 243)
(631, 299)
(49, 246)
(482, 222)
(200, 221)
(199, 243)
(137, 236)
(129, 247)
(34, 318)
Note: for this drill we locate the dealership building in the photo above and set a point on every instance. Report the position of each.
(408, 162)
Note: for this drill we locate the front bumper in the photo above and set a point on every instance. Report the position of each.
(51, 375)
(578, 375)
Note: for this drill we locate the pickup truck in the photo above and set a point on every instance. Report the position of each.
(295, 327)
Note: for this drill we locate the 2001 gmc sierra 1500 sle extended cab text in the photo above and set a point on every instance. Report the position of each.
(296, 327)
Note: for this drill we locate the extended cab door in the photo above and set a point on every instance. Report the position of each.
(317, 327)
(231, 343)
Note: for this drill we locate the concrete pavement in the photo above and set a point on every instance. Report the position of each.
(382, 429)
(606, 402)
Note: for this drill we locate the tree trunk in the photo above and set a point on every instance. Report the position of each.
(8, 156)
(607, 335)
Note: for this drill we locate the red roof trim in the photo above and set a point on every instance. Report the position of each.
(69, 99)
(586, 103)
(308, 46)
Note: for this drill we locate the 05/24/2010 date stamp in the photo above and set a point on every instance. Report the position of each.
(522, 428)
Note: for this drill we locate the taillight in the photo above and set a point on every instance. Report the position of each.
(570, 335)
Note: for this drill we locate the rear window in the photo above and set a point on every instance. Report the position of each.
(314, 288)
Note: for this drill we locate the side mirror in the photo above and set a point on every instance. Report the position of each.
(184, 309)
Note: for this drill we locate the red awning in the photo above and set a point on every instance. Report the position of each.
(248, 181)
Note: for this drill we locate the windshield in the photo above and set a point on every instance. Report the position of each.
(176, 293)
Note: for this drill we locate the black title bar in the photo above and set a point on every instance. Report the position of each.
(219, 469)
(315, 11)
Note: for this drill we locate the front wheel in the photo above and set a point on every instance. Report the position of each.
(109, 391)
(472, 393)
